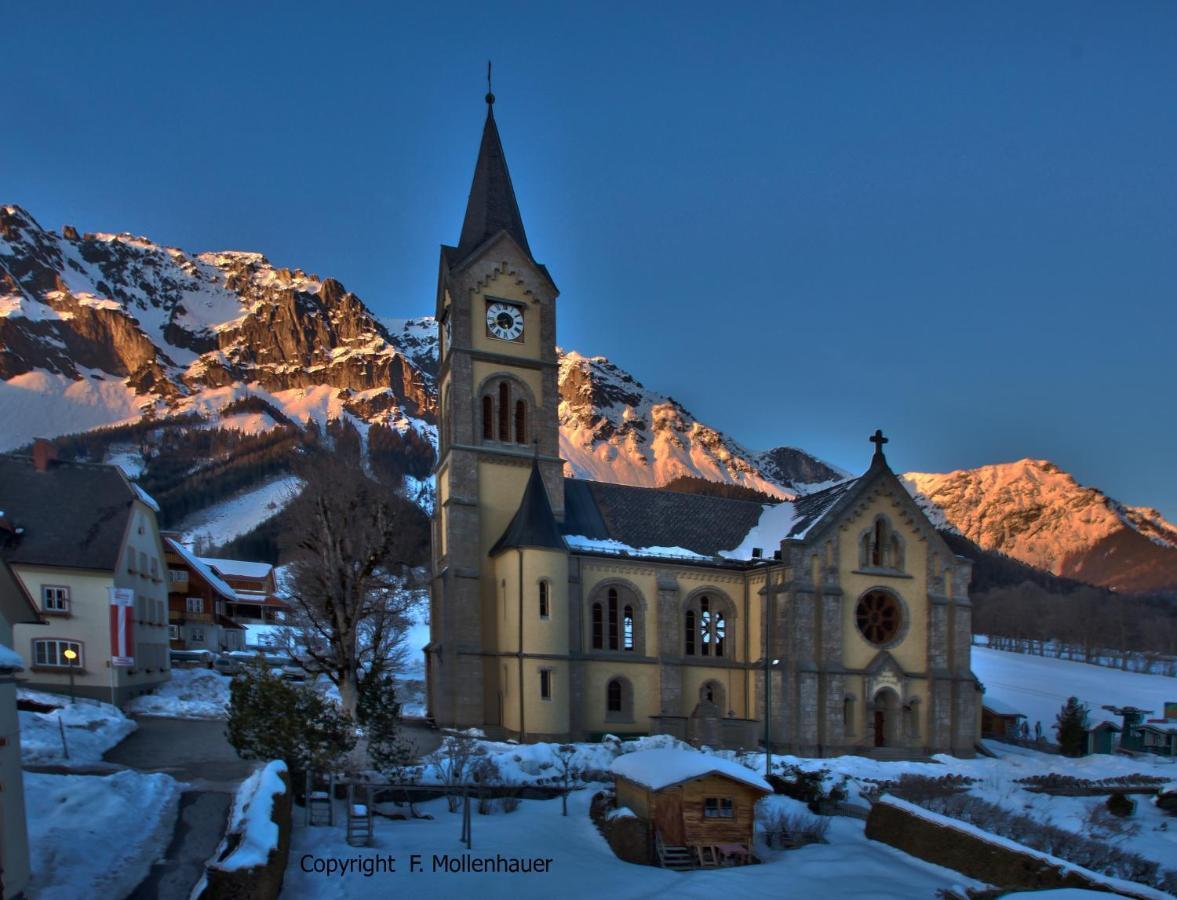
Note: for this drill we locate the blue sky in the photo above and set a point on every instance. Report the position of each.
(804, 221)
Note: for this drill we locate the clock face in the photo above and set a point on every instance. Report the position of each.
(504, 321)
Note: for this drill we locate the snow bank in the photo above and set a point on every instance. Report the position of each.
(663, 767)
(10, 660)
(191, 694)
(97, 837)
(621, 812)
(91, 728)
(252, 818)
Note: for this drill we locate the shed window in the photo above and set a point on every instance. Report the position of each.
(718, 808)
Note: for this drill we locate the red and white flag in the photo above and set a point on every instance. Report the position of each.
(122, 627)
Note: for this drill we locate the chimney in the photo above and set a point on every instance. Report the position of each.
(44, 452)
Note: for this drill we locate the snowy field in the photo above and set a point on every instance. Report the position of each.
(240, 514)
(91, 728)
(1039, 685)
(191, 694)
(849, 866)
(96, 836)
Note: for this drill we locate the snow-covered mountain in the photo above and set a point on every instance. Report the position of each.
(1035, 512)
(101, 329)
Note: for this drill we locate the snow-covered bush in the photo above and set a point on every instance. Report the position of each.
(454, 761)
(789, 825)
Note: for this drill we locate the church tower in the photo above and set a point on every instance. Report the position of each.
(498, 437)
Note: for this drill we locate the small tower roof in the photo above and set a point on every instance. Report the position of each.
(491, 207)
(534, 524)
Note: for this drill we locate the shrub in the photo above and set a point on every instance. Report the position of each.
(1119, 805)
(808, 787)
(784, 828)
(1071, 728)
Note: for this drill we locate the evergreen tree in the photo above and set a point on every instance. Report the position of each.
(379, 713)
(271, 718)
(1071, 727)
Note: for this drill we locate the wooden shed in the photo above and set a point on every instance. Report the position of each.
(700, 810)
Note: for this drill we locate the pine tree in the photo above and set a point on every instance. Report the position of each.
(1071, 728)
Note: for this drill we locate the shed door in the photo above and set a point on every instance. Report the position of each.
(668, 818)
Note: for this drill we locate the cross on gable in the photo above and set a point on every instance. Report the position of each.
(878, 440)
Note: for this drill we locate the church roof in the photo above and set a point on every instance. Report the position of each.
(491, 207)
(652, 517)
(534, 524)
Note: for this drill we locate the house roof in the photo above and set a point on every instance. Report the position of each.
(72, 514)
(534, 523)
(663, 768)
(1000, 707)
(202, 569)
(239, 568)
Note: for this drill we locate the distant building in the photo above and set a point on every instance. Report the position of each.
(257, 601)
(80, 532)
(1000, 721)
(14, 843)
(198, 603)
(1101, 737)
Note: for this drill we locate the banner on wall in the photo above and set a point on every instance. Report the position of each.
(122, 627)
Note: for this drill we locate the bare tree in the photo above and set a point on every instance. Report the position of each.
(566, 774)
(350, 543)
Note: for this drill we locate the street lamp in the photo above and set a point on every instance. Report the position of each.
(768, 667)
(72, 656)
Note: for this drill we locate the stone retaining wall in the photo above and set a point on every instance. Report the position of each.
(262, 882)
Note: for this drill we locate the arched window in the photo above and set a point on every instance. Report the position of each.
(689, 632)
(705, 631)
(504, 411)
(544, 610)
(612, 618)
(896, 551)
(520, 422)
(627, 628)
(877, 557)
(613, 696)
(598, 628)
(488, 418)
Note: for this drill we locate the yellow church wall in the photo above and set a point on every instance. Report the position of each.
(540, 716)
(911, 653)
(504, 286)
(540, 635)
(731, 680)
(500, 488)
(643, 680)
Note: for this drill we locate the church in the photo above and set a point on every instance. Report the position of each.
(837, 622)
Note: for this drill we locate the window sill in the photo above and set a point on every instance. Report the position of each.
(57, 613)
(58, 670)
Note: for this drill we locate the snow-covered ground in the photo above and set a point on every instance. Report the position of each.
(849, 866)
(91, 728)
(96, 836)
(191, 694)
(240, 514)
(1038, 686)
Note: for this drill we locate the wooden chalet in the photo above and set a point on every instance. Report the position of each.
(699, 810)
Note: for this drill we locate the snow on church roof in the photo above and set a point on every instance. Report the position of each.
(658, 769)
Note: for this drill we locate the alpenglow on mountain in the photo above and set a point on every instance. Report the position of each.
(106, 329)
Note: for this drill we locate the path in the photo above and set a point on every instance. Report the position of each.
(196, 752)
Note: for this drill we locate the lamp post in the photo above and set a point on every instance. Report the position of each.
(72, 656)
(768, 666)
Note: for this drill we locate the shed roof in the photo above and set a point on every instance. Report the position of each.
(663, 768)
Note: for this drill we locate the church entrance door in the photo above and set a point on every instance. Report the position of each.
(880, 728)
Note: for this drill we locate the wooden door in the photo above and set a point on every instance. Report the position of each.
(880, 728)
(668, 817)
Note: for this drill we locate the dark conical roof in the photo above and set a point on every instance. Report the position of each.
(492, 206)
(534, 524)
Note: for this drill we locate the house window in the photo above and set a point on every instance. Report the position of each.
(718, 808)
(173, 632)
(598, 628)
(142, 564)
(520, 422)
(177, 575)
(196, 634)
(50, 652)
(544, 610)
(130, 560)
(154, 568)
(613, 698)
(488, 418)
(54, 598)
(545, 684)
(195, 605)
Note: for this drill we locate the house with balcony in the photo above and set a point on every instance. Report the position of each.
(82, 539)
(256, 589)
(198, 603)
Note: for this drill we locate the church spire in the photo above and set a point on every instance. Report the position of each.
(492, 206)
(534, 524)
